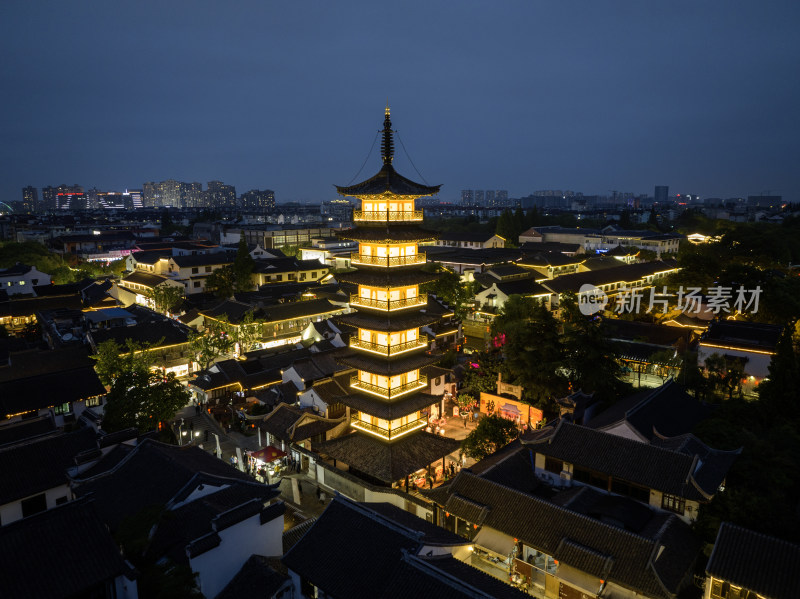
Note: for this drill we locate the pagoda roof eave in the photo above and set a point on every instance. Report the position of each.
(388, 181)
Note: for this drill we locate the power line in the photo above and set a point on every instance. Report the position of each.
(366, 159)
(409, 158)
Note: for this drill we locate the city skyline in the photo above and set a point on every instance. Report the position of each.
(523, 97)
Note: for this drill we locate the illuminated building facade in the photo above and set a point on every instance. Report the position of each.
(388, 399)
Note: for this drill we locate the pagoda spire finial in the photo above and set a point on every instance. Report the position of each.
(387, 145)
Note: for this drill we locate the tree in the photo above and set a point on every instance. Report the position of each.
(243, 266)
(507, 228)
(481, 374)
(247, 333)
(112, 361)
(142, 399)
(166, 297)
(222, 282)
(666, 362)
(464, 400)
(590, 360)
(724, 374)
(492, 433)
(211, 343)
(451, 289)
(780, 392)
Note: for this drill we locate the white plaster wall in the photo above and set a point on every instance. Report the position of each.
(126, 589)
(623, 430)
(217, 567)
(11, 512)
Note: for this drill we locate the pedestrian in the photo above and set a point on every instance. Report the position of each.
(197, 409)
(322, 497)
(232, 458)
(319, 494)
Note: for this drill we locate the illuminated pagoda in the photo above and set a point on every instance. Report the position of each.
(387, 397)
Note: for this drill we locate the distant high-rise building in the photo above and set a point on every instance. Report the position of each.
(170, 193)
(221, 195)
(193, 195)
(30, 199)
(467, 197)
(149, 194)
(661, 194)
(479, 196)
(257, 199)
(61, 197)
(501, 197)
(489, 197)
(765, 201)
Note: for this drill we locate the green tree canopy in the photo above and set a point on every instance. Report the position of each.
(492, 433)
(243, 266)
(142, 399)
(213, 342)
(451, 289)
(166, 297)
(222, 282)
(112, 360)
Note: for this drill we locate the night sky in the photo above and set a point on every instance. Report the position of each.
(588, 96)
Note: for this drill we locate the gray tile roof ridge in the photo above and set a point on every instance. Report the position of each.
(558, 507)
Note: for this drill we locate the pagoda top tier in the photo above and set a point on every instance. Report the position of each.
(388, 180)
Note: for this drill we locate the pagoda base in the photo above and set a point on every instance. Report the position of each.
(388, 461)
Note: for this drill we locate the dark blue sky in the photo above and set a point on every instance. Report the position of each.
(524, 95)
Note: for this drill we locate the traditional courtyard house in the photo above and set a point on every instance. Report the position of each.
(549, 265)
(468, 262)
(59, 383)
(470, 240)
(324, 396)
(35, 472)
(399, 555)
(745, 564)
(673, 474)
(75, 556)
(612, 281)
(192, 271)
(501, 282)
(292, 429)
(167, 341)
(284, 323)
(578, 543)
(137, 288)
(388, 395)
(446, 333)
(533, 245)
(665, 411)
(21, 279)
(648, 350)
(753, 343)
(214, 516)
(18, 312)
(282, 270)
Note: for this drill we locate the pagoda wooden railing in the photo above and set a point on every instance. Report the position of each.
(365, 260)
(387, 215)
(388, 433)
(387, 393)
(389, 350)
(408, 302)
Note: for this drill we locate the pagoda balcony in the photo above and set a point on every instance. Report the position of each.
(387, 215)
(365, 260)
(386, 433)
(385, 392)
(389, 350)
(409, 302)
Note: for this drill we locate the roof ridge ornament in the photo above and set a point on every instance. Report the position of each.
(387, 145)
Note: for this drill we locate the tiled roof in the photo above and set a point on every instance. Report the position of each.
(388, 180)
(62, 552)
(581, 540)
(150, 475)
(389, 321)
(683, 473)
(181, 526)
(389, 410)
(35, 465)
(388, 365)
(205, 259)
(388, 462)
(747, 335)
(148, 279)
(157, 333)
(257, 579)
(292, 424)
(388, 234)
(667, 409)
(755, 561)
(232, 310)
(619, 274)
(388, 278)
(49, 389)
(26, 429)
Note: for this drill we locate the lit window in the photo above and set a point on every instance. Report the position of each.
(673, 503)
